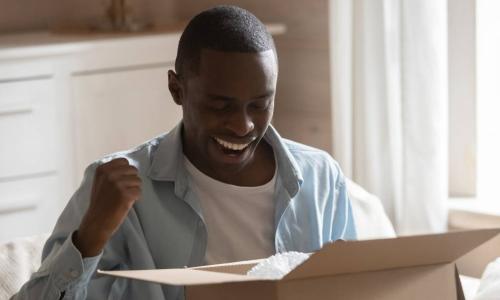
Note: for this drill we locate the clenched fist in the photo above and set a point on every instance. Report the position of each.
(115, 189)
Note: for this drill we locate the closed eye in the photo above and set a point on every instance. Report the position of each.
(261, 104)
(219, 105)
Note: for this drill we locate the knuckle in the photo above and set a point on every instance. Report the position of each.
(120, 161)
(111, 177)
(133, 169)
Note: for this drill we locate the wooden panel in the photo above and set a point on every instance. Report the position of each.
(308, 128)
(26, 15)
(307, 96)
(119, 110)
(32, 14)
(27, 127)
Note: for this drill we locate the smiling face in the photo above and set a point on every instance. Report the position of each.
(227, 107)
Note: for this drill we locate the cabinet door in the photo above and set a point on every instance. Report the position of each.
(34, 164)
(119, 110)
(27, 128)
(29, 206)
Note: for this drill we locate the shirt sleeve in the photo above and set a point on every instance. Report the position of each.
(344, 227)
(64, 274)
(347, 228)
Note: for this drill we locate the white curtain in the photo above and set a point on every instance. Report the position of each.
(389, 93)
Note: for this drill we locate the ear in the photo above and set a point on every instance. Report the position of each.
(175, 87)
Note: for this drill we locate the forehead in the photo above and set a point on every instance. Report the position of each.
(220, 70)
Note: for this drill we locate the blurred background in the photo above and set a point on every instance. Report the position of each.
(403, 93)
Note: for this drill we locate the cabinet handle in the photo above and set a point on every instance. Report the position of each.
(23, 108)
(18, 204)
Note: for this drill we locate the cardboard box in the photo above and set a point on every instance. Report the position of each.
(411, 267)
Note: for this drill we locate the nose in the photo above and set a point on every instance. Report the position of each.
(240, 123)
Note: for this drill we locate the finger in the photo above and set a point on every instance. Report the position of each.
(134, 193)
(122, 170)
(116, 174)
(106, 167)
(130, 177)
(130, 181)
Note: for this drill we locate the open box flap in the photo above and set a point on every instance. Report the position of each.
(239, 267)
(372, 255)
(179, 276)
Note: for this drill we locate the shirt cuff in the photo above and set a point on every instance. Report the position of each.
(69, 268)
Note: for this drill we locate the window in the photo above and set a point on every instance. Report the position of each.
(488, 99)
(474, 91)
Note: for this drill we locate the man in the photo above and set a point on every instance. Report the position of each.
(222, 186)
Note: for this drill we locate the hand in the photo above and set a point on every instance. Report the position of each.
(115, 189)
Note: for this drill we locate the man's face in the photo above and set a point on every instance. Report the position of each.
(227, 108)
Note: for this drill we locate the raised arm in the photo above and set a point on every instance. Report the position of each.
(93, 215)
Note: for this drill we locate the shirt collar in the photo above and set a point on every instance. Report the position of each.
(288, 168)
(168, 164)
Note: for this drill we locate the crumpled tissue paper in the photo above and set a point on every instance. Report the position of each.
(489, 287)
(278, 265)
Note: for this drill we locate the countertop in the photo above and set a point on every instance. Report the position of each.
(59, 42)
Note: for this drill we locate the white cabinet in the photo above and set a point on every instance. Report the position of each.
(67, 102)
(121, 109)
(27, 126)
(32, 182)
(29, 205)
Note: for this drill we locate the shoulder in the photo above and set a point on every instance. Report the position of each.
(139, 156)
(312, 160)
(305, 153)
(302, 149)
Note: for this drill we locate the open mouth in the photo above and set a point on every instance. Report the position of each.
(231, 148)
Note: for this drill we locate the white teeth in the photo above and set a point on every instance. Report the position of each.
(228, 145)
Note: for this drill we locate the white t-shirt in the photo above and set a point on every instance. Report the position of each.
(239, 220)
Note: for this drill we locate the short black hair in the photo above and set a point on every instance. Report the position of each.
(223, 28)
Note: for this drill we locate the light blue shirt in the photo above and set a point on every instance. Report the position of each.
(166, 229)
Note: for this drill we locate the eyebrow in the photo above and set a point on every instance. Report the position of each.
(220, 97)
(227, 98)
